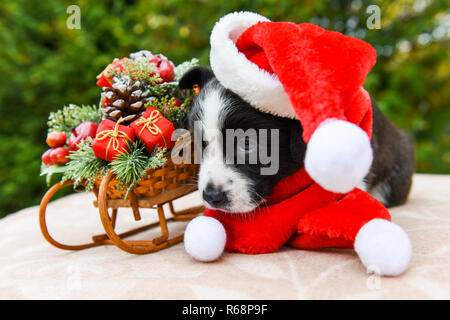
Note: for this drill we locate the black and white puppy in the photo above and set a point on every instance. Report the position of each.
(233, 186)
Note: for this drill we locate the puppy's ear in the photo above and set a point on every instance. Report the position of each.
(196, 75)
(297, 144)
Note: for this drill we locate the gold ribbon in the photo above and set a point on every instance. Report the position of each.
(113, 136)
(150, 124)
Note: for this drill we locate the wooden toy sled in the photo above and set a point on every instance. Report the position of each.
(158, 187)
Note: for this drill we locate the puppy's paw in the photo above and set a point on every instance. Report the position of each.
(338, 155)
(205, 238)
(383, 247)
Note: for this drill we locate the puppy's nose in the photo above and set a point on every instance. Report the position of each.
(214, 196)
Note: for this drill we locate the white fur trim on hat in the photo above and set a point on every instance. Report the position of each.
(383, 247)
(235, 72)
(338, 155)
(205, 239)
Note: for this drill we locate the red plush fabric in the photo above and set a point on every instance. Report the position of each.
(337, 224)
(312, 218)
(321, 71)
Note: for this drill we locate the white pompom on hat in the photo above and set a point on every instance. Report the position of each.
(304, 72)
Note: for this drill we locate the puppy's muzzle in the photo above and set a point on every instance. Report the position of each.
(215, 196)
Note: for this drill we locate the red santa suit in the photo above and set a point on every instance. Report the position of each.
(304, 72)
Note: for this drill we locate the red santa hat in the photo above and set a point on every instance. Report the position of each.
(304, 72)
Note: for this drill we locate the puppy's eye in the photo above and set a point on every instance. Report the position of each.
(247, 144)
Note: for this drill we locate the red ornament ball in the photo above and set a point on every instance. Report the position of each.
(56, 139)
(46, 158)
(59, 156)
(81, 132)
(163, 68)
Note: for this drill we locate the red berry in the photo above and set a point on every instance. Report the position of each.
(46, 158)
(56, 139)
(163, 68)
(59, 156)
(81, 132)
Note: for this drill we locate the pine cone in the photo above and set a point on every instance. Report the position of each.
(126, 100)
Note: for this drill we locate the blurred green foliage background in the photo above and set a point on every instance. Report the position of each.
(45, 65)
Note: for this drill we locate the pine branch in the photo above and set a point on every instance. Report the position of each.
(84, 166)
(181, 69)
(71, 116)
(163, 89)
(129, 167)
(138, 70)
(176, 115)
(157, 159)
(179, 115)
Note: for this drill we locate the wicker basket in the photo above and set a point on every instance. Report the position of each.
(155, 181)
(158, 187)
